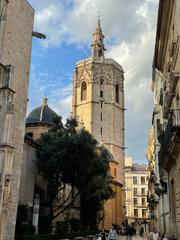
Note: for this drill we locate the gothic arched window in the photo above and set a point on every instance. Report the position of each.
(117, 93)
(83, 91)
(101, 81)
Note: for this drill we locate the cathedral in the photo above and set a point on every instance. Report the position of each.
(98, 102)
(98, 105)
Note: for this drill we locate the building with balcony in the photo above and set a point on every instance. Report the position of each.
(152, 177)
(136, 193)
(166, 116)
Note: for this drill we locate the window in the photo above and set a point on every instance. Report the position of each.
(101, 116)
(29, 134)
(2, 20)
(135, 191)
(101, 93)
(117, 93)
(143, 201)
(135, 212)
(101, 104)
(7, 75)
(83, 91)
(143, 191)
(100, 53)
(101, 81)
(134, 180)
(173, 200)
(115, 172)
(142, 180)
(143, 213)
(101, 130)
(135, 201)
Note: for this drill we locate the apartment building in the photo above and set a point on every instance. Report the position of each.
(136, 187)
(166, 115)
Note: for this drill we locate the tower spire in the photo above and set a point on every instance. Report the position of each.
(99, 20)
(98, 43)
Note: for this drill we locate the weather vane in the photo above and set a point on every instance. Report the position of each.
(99, 16)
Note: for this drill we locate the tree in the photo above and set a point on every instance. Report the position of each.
(23, 225)
(69, 157)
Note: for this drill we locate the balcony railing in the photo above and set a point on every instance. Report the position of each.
(160, 130)
(173, 80)
(171, 136)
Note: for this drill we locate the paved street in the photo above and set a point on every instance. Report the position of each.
(137, 237)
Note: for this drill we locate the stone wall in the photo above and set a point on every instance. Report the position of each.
(16, 45)
(167, 62)
(29, 173)
(36, 130)
(103, 117)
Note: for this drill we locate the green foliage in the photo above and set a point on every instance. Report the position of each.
(68, 226)
(22, 213)
(62, 227)
(44, 225)
(75, 225)
(56, 236)
(71, 157)
(23, 227)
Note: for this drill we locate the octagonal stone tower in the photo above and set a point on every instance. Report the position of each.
(98, 102)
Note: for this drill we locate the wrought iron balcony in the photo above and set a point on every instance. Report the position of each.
(152, 199)
(174, 76)
(161, 188)
(152, 216)
(170, 93)
(160, 130)
(170, 138)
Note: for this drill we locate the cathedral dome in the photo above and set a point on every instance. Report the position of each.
(43, 114)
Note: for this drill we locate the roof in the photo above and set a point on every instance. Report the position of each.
(43, 114)
(109, 155)
(139, 167)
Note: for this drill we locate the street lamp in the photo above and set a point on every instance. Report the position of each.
(38, 35)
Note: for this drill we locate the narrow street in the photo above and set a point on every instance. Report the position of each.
(136, 237)
(89, 119)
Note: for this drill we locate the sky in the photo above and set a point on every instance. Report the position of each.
(129, 27)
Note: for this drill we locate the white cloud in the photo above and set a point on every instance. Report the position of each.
(63, 107)
(52, 86)
(129, 27)
(121, 20)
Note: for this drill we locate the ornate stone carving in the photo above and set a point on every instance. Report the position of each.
(83, 72)
(6, 192)
(7, 76)
(9, 102)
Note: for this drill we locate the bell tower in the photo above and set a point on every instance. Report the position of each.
(98, 103)
(98, 44)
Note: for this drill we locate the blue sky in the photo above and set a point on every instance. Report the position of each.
(129, 27)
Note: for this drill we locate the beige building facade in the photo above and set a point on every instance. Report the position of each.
(16, 25)
(153, 197)
(166, 115)
(98, 102)
(136, 188)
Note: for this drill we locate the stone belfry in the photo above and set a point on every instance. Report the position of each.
(98, 44)
(98, 103)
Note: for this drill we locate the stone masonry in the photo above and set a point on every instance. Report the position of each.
(98, 103)
(16, 26)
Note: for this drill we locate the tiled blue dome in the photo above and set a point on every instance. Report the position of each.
(42, 114)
